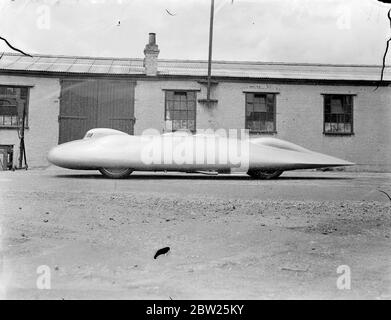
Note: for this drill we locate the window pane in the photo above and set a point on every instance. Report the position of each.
(191, 124)
(169, 95)
(191, 115)
(177, 105)
(183, 105)
(262, 126)
(168, 115)
(270, 99)
(181, 110)
(176, 124)
(184, 124)
(348, 108)
(348, 101)
(12, 101)
(170, 105)
(257, 125)
(23, 93)
(15, 121)
(269, 126)
(336, 105)
(340, 118)
(250, 97)
(260, 103)
(8, 107)
(250, 125)
(338, 115)
(256, 116)
(169, 125)
(7, 120)
(180, 115)
(327, 100)
(260, 107)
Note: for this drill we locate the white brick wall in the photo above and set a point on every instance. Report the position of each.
(299, 116)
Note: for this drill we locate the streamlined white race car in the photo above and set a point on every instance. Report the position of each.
(117, 154)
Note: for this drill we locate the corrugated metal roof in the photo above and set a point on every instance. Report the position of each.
(73, 65)
(240, 69)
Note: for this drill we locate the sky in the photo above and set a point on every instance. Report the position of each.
(323, 31)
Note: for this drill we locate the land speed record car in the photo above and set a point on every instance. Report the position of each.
(117, 154)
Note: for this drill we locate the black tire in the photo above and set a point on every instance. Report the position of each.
(116, 173)
(264, 174)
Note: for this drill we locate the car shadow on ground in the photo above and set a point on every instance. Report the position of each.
(193, 177)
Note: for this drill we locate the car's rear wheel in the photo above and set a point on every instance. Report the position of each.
(116, 173)
(264, 174)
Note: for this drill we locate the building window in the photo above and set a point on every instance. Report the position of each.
(338, 114)
(180, 113)
(261, 112)
(13, 100)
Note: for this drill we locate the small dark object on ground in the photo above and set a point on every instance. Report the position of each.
(161, 251)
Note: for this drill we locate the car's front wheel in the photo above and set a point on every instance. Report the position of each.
(116, 173)
(264, 174)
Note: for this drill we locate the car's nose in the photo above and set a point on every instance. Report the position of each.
(66, 155)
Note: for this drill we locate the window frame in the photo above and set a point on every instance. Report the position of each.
(195, 107)
(335, 133)
(274, 131)
(17, 126)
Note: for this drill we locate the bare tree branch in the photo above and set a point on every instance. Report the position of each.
(15, 49)
(385, 194)
(385, 53)
(171, 14)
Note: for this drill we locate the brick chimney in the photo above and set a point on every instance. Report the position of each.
(151, 53)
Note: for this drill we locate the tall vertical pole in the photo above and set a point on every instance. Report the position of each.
(212, 5)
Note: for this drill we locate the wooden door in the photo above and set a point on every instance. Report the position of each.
(87, 104)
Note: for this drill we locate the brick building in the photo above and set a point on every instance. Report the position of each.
(333, 109)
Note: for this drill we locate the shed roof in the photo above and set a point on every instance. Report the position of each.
(238, 69)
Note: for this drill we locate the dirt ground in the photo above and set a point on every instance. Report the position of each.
(230, 237)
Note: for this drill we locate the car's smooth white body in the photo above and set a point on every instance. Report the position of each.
(108, 148)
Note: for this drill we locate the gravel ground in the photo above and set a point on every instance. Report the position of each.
(230, 237)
